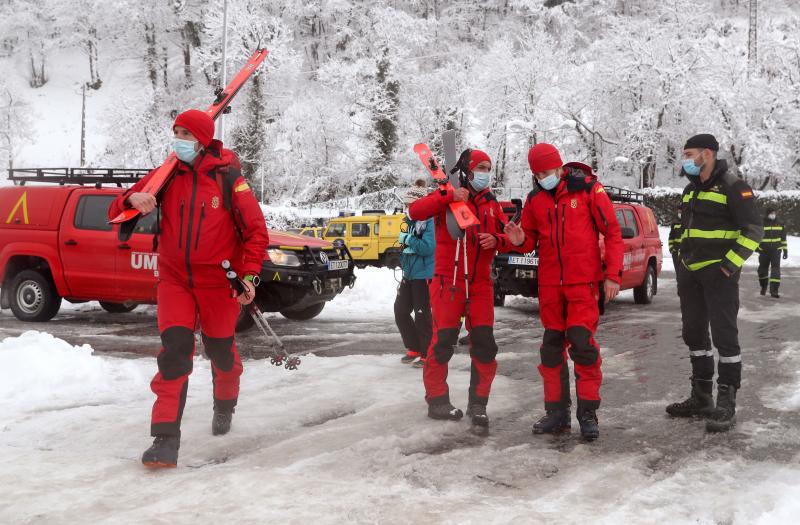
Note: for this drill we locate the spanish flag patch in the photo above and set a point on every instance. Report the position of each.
(241, 187)
(600, 189)
(747, 194)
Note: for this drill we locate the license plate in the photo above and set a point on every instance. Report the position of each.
(338, 265)
(523, 261)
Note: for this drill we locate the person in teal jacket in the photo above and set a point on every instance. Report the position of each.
(416, 261)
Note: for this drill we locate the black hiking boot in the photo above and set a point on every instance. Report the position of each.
(163, 453)
(221, 422)
(444, 411)
(700, 402)
(724, 415)
(590, 429)
(480, 421)
(554, 421)
(773, 290)
(763, 289)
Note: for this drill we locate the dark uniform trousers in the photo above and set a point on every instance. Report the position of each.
(769, 258)
(709, 298)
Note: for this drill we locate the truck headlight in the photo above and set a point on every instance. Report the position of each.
(283, 257)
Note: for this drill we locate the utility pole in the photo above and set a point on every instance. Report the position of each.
(83, 125)
(752, 40)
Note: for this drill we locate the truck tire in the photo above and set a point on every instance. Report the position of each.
(244, 322)
(118, 308)
(305, 314)
(34, 297)
(499, 299)
(643, 294)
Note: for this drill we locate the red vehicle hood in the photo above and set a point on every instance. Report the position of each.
(278, 238)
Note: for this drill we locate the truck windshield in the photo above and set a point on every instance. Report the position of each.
(336, 229)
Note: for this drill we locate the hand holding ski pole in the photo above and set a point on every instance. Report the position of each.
(245, 290)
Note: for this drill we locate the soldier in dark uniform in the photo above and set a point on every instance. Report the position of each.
(721, 229)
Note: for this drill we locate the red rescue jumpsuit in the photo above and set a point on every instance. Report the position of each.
(564, 225)
(208, 214)
(449, 304)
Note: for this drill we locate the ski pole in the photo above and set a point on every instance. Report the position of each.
(253, 309)
(455, 270)
(466, 273)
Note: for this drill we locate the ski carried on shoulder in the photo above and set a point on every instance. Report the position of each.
(461, 212)
(164, 173)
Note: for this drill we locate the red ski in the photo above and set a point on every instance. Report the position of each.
(463, 215)
(164, 172)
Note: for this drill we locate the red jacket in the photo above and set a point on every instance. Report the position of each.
(197, 231)
(492, 220)
(565, 228)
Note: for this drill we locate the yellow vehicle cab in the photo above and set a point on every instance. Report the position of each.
(370, 237)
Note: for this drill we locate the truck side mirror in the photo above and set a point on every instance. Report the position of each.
(627, 232)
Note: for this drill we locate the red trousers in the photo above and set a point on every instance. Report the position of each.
(448, 306)
(179, 310)
(569, 315)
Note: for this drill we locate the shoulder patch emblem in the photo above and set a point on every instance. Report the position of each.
(600, 189)
(747, 194)
(241, 187)
(573, 203)
(215, 202)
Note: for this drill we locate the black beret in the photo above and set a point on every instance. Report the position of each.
(702, 141)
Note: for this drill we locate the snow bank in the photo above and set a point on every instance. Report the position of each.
(372, 296)
(41, 372)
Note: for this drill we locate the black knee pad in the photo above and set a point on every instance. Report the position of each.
(218, 350)
(552, 349)
(176, 359)
(484, 347)
(581, 350)
(446, 339)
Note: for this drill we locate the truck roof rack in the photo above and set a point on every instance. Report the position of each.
(624, 195)
(81, 176)
(373, 212)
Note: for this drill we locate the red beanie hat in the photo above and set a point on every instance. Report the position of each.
(477, 156)
(199, 124)
(543, 157)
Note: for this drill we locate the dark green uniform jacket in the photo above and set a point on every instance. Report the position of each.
(774, 237)
(721, 222)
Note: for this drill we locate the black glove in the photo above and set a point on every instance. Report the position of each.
(785, 254)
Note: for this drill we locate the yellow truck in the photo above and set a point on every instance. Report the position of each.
(371, 237)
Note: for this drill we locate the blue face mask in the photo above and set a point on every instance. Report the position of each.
(184, 149)
(480, 180)
(549, 182)
(691, 168)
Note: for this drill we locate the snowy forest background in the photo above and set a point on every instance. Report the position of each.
(349, 85)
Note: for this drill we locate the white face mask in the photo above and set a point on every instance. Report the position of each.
(771, 216)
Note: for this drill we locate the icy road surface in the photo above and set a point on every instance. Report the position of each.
(345, 438)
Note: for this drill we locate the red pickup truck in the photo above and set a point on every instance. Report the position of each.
(55, 242)
(515, 274)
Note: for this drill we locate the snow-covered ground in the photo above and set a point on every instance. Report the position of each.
(346, 440)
